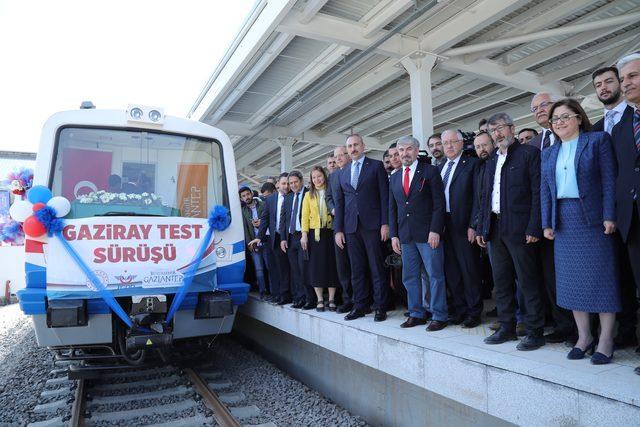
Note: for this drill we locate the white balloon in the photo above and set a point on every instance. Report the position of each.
(21, 210)
(61, 205)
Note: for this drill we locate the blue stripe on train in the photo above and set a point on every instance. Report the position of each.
(229, 278)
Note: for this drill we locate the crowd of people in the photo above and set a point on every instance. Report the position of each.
(546, 220)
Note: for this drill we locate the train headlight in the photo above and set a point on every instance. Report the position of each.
(221, 252)
(155, 116)
(136, 113)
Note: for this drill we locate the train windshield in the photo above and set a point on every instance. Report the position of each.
(106, 172)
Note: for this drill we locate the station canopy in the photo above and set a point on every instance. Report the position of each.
(302, 75)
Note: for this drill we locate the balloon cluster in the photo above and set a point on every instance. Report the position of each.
(41, 213)
(19, 181)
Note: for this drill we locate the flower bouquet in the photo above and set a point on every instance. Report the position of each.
(133, 199)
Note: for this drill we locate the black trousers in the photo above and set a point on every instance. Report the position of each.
(513, 260)
(633, 247)
(562, 317)
(344, 273)
(365, 253)
(281, 261)
(462, 271)
(300, 287)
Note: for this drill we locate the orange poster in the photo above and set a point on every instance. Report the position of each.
(191, 192)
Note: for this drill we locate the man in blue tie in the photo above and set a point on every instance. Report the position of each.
(362, 223)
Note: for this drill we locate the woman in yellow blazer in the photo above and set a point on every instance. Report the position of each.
(317, 239)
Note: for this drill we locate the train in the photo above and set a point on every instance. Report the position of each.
(141, 186)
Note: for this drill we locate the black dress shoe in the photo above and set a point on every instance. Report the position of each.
(577, 353)
(354, 314)
(531, 342)
(436, 325)
(471, 322)
(309, 306)
(500, 336)
(600, 358)
(345, 308)
(380, 316)
(413, 321)
(557, 336)
(492, 313)
(298, 304)
(456, 320)
(284, 301)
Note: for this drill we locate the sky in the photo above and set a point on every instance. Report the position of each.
(56, 54)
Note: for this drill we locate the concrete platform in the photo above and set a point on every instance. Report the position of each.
(541, 387)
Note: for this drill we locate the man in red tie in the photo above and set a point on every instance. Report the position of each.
(416, 222)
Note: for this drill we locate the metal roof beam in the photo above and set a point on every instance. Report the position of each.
(242, 129)
(383, 13)
(268, 18)
(310, 10)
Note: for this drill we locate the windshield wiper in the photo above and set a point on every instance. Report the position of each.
(115, 213)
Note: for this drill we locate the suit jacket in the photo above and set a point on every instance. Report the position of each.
(462, 188)
(595, 173)
(412, 217)
(269, 219)
(247, 218)
(628, 180)
(477, 193)
(334, 181)
(367, 204)
(287, 208)
(598, 126)
(536, 141)
(519, 194)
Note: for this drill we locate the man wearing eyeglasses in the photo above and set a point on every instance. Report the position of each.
(510, 222)
(564, 324)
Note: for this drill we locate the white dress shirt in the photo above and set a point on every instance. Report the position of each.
(412, 171)
(616, 113)
(495, 194)
(453, 170)
(552, 137)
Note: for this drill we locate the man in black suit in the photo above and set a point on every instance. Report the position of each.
(606, 82)
(626, 144)
(510, 220)
(269, 234)
(362, 213)
(303, 294)
(416, 219)
(342, 255)
(564, 323)
(461, 255)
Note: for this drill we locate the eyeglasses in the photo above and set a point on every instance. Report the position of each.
(499, 128)
(543, 105)
(451, 142)
(562, 119)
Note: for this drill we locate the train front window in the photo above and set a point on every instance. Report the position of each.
(106, 172)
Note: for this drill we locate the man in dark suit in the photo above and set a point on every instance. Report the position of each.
(564, 323)
(510, 221)
(461, 253)
(362, 213)
(626, 144)
(606, 82)
(416, 221)
(303, 294)
(269, 234)
(342, 255)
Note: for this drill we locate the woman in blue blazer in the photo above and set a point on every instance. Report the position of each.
(578, 212)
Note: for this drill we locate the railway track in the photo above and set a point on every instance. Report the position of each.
(166, 396)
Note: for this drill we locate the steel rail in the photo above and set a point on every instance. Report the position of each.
(221, 413)
(77, 410)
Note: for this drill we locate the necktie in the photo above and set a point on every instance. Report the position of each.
(294, 214)
(445, 178)
(608, 119)
(636, 128)
(546, 141)
(354, 176)
(405, 181)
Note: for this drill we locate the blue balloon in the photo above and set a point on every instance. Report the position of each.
(39, 194)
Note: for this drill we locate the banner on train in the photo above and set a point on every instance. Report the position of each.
(128, 253)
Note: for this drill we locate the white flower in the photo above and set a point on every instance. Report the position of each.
(145, 194)
(147, 201)
(123, 195)
(154, 197)
(138, 196)
(101, 192)
(105, 199)
(131, 196)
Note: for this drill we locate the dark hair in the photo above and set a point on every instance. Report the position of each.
(268, 186)
(481, 123)
(330, 155)
(435, 135)
(244, 188)
(483, 132)
(283, 175)
(385, 154)
(600, 71)
(535, 132)
(313, 191)
(393, 145)
(573, 105)
(297, 174)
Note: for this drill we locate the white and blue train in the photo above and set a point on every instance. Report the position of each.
(141, 185)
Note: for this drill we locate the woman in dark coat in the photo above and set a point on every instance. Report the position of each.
(578, 212)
